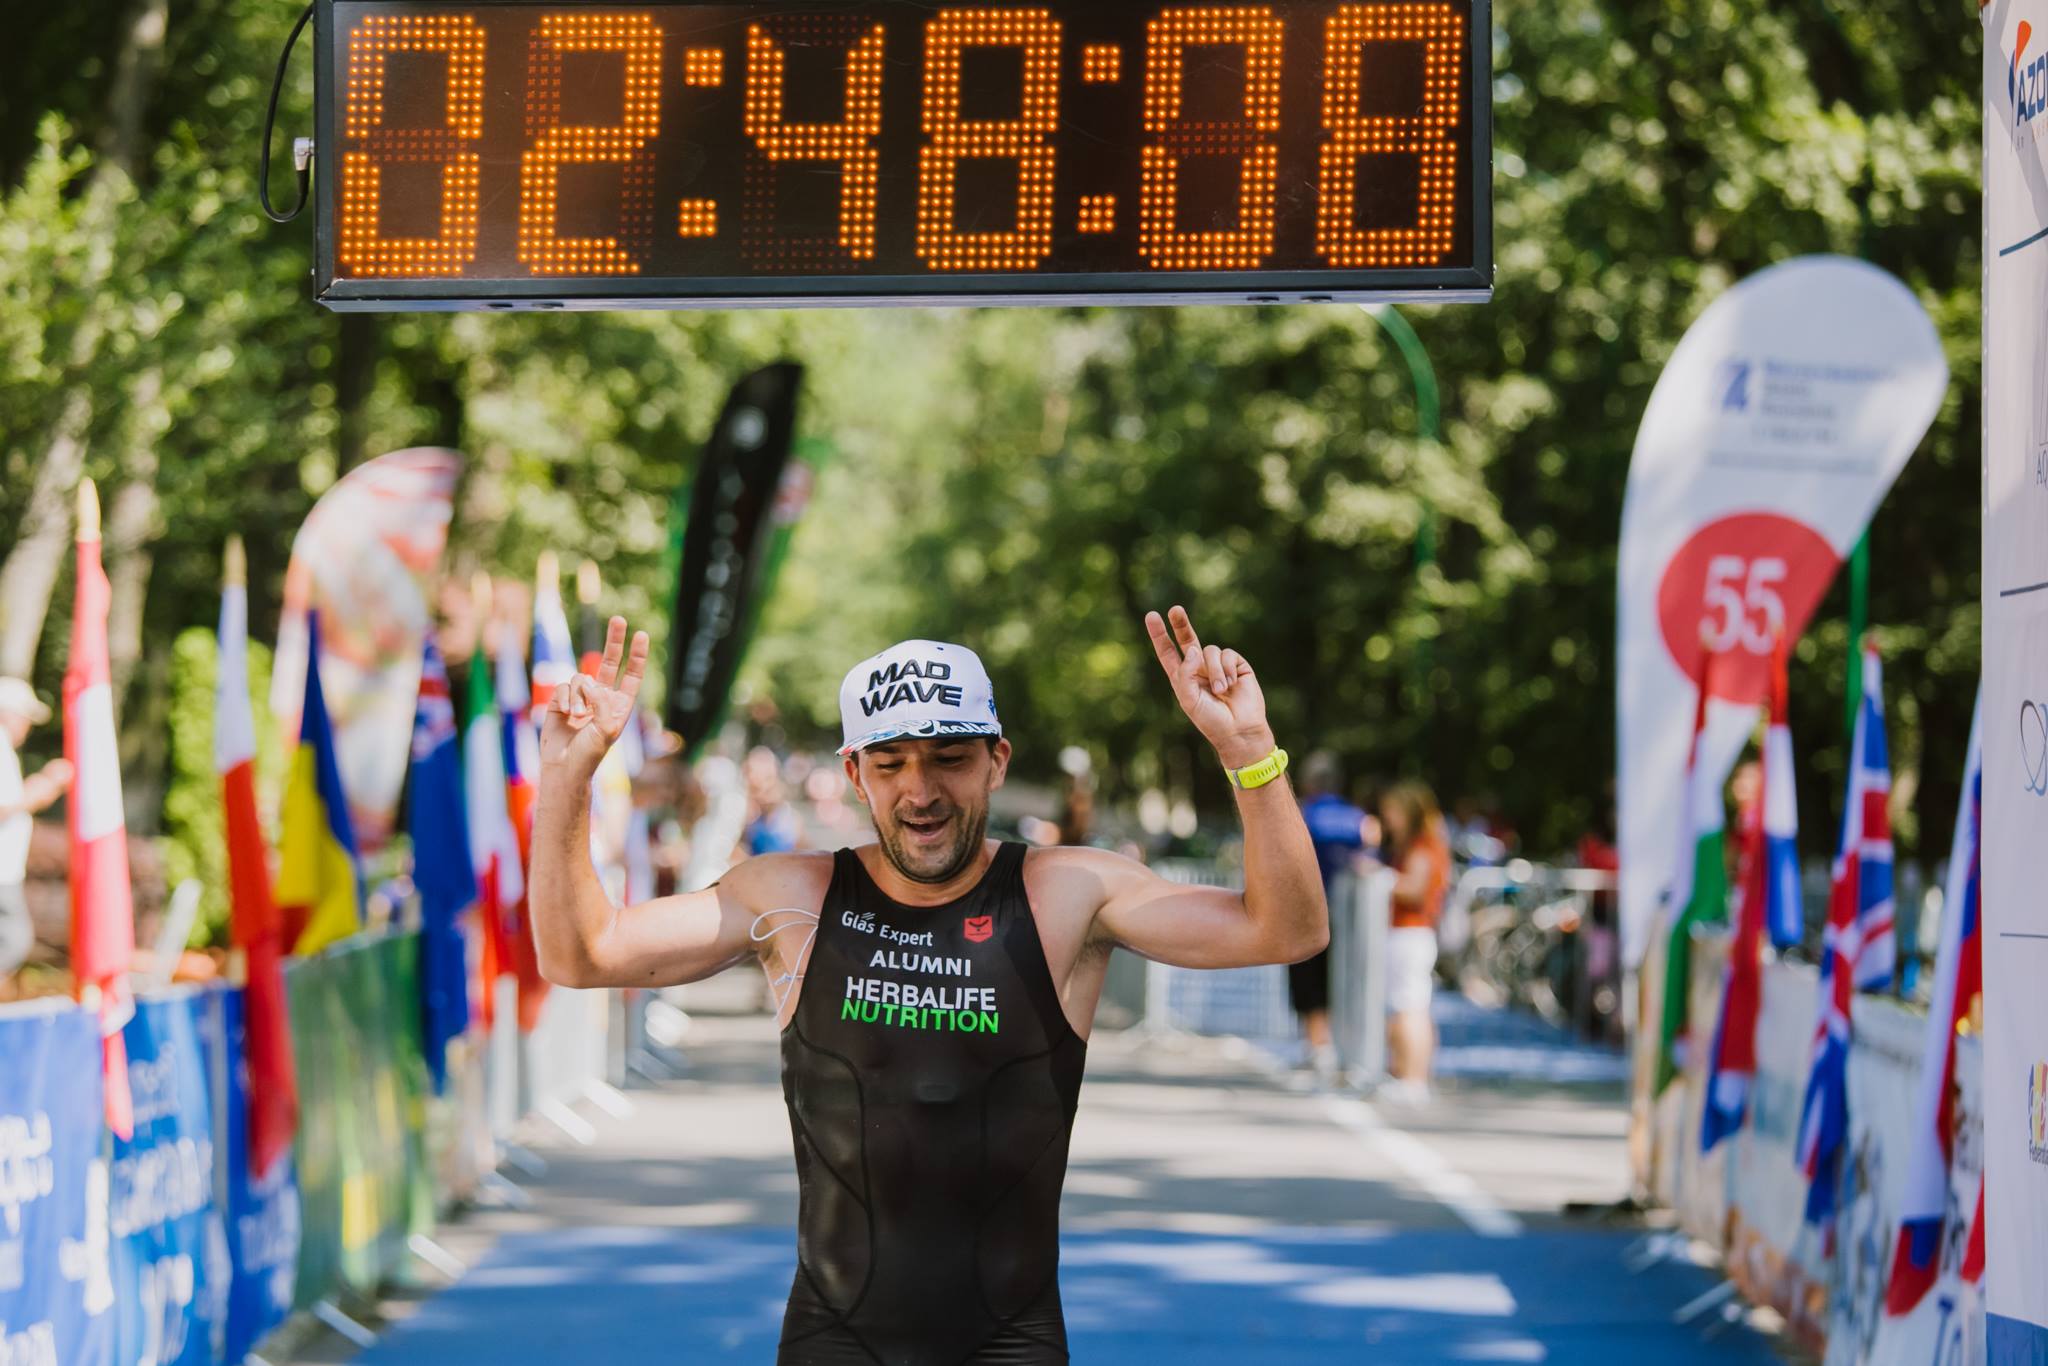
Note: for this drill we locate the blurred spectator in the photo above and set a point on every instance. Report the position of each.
(1077, 813)
(1419, 854)
(1599, 850)
(1338, 830)
(1469, 835)
(20, 712)
(772, 825)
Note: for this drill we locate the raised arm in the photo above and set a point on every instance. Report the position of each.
(582, 939)
(1281, 916)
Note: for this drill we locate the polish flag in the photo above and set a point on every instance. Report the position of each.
(102, 911)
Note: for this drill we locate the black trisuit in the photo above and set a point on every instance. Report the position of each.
(931, 1077)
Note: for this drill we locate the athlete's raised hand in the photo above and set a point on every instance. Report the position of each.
(1216, 688)
(586, 715)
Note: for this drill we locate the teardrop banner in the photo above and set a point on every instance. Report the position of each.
(736, 502)
(2014, 857)
(1774, 432)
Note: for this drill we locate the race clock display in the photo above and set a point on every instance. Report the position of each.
(512, 155)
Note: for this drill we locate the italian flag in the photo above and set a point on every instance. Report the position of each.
(1699, 887)
(102, 907)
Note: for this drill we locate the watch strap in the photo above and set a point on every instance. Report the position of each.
(1260, 773)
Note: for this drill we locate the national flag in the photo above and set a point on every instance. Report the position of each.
(1857, 950)
(554, 655)
(1699, 886)
(1958, 980)
(494, 846)
(441, 864)
(522, 766)
(319, 880)
(102, 904)
(1770, 878)
(1784, 903)
(254, 926)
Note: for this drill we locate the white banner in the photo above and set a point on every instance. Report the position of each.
(2016, 678)
(1775, 430)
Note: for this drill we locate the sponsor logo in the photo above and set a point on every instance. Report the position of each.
(2037, 1112)
(2034, 748)
(2026, 82)
(978, 928)
(911, 680)
(1731, 384)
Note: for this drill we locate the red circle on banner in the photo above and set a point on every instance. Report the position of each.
(1733, 587)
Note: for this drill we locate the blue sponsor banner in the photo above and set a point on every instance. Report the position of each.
(262, 1213)
(56, 1293)
(2015, 1342)
(170, 1252)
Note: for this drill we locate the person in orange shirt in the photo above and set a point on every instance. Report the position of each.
(1419, 853)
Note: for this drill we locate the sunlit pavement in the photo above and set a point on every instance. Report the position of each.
(1217, 1212)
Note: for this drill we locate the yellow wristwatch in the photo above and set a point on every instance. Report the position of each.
(1260, 773)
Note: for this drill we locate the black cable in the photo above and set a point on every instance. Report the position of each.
(270, 126)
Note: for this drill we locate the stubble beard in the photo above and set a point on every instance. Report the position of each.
(972, 830)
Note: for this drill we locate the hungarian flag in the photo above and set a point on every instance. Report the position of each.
(1958, 980)
(493, 845)
(1857, 950)
(1699, 887)
(522, 766)
(102, 909)
(1770, 879)
(319, 881)
(254, 926)
(441, 865)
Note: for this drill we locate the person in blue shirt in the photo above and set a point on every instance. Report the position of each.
(1339, 832)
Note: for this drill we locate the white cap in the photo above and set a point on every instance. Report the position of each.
(19, 699)
(917, 689)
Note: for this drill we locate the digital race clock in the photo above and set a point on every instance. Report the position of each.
(508, 155)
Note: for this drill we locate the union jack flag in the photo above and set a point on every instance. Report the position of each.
(1857, 951)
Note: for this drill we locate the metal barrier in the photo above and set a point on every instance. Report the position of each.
(1252, 1003)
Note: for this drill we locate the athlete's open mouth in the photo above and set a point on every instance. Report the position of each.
(925, 829)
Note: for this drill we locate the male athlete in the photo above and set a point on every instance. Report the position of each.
(935, 990)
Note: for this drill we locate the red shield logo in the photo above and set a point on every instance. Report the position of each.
(979, 928)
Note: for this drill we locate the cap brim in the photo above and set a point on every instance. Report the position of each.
(921, 730)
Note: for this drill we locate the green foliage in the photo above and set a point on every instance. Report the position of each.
(1030, 482)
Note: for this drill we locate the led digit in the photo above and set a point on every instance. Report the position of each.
(1428, 135)
(1251, 139)
(555, 145)
(1024, 139)
(361, 247)
(850, 142)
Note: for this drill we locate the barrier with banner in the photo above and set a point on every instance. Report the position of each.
(56, 1290)
(165, 1248)
(1748, 1198)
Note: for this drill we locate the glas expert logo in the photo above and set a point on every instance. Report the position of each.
(2034, 748)
(1731, 385)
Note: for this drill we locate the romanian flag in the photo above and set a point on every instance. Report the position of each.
(319, 881)
(1958, 983)
(254, 926)
(102, 908)
(1699, 886)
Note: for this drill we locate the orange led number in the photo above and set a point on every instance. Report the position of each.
(1353, 134)
(361, 246)
(850, 142)
(1249, 138)
(1024, 139)
(555, 145)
